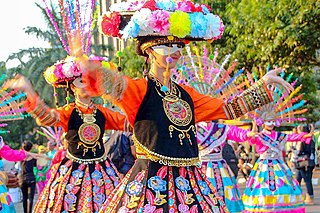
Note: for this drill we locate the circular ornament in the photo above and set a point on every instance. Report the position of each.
(89, 133)
(178, 111)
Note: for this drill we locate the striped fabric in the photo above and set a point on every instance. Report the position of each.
(272, 188)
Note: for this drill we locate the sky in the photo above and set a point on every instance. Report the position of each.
(15, 15)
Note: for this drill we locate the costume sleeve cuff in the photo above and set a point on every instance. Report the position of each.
(252, 98)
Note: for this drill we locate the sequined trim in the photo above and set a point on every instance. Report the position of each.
(86, 161)
(144, 153)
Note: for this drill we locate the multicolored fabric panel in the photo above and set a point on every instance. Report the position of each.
(272, 188)
(152, 187)
(223, 179)
(6, 204)
(75, 187)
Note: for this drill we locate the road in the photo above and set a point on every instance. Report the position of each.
(309, 209)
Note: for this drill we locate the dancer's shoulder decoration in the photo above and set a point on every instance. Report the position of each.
(204, 73)
(53, 134)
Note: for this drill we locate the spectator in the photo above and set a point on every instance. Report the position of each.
(28, 185)
(119, 150)
(306, 153)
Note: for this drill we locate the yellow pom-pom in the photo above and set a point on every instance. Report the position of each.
(105, 64)
(180, 24)
(49, 75)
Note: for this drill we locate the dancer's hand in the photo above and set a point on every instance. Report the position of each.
(272, 78)
(19, 82)
(254, 130)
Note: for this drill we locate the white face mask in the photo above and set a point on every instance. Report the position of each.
(78, 83)
(164, 50)
(270, 123)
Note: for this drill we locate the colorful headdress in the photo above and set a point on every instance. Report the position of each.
(77, 18)
(167, 21)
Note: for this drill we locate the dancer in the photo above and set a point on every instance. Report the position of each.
(211, 138)
(85, 177)
(40, 171)
(165, 177)
(6, 204)
(271, 186)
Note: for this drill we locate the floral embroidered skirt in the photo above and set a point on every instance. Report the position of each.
(75, 187)
(152, 187)
(6, 204)
(222, 178)
(272, 188)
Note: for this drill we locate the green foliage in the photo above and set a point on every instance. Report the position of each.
(277, 32)
(131, 64)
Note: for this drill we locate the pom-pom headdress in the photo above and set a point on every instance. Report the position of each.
(165, 21)
(75, 35)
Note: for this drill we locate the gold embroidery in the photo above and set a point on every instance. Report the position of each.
(177, 110)
(183, 134)
(144, 153)
(89, 132)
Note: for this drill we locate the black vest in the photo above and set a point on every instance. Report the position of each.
(72, 136)
(151, 126)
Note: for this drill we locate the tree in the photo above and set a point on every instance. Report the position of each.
(276, 32)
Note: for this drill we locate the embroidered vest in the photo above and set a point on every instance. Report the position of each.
(90, 145)
(164, 124)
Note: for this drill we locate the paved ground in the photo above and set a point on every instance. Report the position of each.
(309, 209)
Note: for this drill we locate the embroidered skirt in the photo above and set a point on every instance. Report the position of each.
(6, 204)
(223, 179)
(75, 187)
(272, 188)
(152, 187)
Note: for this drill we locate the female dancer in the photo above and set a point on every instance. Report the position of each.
(271, 186)
(211, 138)
(83, 180)
(165, 177)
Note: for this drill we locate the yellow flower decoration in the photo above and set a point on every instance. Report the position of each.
(49, 75)
(180, 24)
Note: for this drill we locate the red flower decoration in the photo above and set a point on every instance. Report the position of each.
(110, 24)
(197, 8)
(151, 4)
